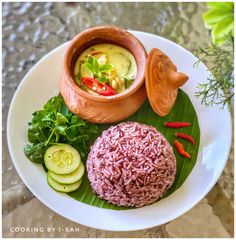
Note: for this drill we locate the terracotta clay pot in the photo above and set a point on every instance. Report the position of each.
(101, 109)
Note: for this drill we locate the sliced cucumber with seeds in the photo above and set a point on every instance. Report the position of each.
(68, 178)
(63, 187)
(62, 159)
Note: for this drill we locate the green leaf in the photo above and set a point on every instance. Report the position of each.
(224, 27)
(77, 120)
(35, 152)
(221, 5)
(61, 119)
(183, 110)
(36, 134)
(61, 130)
(88, 66)
(220, 19)
(90, 60)
(216, 15)
(73, 138)
(63, 109)
(53, 104)
(98, 75)
(95, 65)
(222, 31)
(102, 80)
(38, 115)
(107, 67)
(218, 40)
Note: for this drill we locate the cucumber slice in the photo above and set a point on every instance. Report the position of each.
(62, 159)
(63, 187)
(68, 178)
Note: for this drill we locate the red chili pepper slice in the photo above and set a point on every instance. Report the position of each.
(96, 86)
(180, 148)
(185, 136)
(95, 53)
(177, 124)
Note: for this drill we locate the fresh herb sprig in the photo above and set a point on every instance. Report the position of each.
(99, 71)
(218, 56)
(219, 87)
(56, 124)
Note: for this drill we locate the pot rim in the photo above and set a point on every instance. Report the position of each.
(138, 82)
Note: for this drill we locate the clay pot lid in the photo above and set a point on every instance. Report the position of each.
(162, 81)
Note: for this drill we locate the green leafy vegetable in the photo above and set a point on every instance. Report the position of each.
(98, 71)
(35, 152)
(54, 124)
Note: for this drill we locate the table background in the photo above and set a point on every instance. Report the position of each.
(31, 30)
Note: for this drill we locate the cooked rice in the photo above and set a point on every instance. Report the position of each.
(131, 164)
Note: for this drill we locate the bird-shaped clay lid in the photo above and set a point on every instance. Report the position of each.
(162, 82)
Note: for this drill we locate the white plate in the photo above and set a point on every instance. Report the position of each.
(42, 82)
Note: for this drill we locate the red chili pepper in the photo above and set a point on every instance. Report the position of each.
(185, 136)
(180, 148)
(177, 124)
(95, 53)
(96, 86)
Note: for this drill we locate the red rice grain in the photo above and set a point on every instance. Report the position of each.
(131, 164)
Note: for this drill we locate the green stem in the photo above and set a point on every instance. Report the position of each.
(50, 137)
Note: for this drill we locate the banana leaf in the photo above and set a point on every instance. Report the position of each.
(183, 110)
